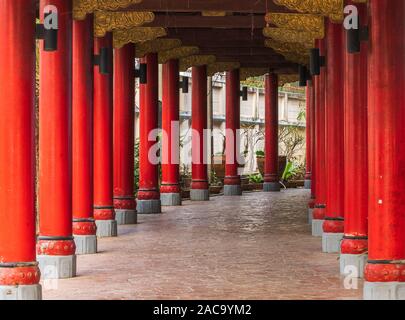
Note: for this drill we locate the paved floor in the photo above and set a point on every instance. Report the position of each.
(257, 246)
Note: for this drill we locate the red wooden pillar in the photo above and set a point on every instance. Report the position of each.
(318, 214)
(310, 118)
(354, 244)
(84, 227)
(385, 270)
(124, 135)
(170, 192)
(232, 182)
(55, 247)
(199, 184)
(19, 272)
(271, 179)
(308, 137)
(333, 224)
(104, 213)
(148, 193)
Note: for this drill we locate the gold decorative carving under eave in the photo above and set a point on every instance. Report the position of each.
(286, 35)
(221, 67)
(252, 72)
(331, 8)
(156, 45)
(299, 22)
(297, 58)
(135, 35)
(287, 78)
(302, 48)
(213, 13)
(83, 7)
(105, 21)
(195, 61)
(177, 53)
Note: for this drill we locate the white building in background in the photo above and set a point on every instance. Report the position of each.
(291, 105)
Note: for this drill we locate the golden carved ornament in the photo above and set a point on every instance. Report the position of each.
(252, 72)
(331, 8)
(195, 61)
(287, 78)
(156, 45)
(284, 47)
(221, 67)
(286, 35)
(83, 7)
(105, 21)
(177, 53)
(136, 35)
(299, 22)
(213, 13)
(297, 58)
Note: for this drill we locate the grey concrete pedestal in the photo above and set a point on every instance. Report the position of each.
(232, 190)
(350, 263)
(57, 267)
(307, 184)
(384, 290)
(199, 195)
(317, 227)
(106, 228)
(29, 292)
(149, 206)
(310, 211)
(170, 199)
(86, 244)
(271, 186)
(331, 242)
(125, 216)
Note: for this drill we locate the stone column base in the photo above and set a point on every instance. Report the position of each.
(170, 199)
(106, 228)
(317, 227)
(199, 195)
(85, 244)
(57, 267)
(331, 242)
(307, 184)
(271, 186)
(21, 292)
(352, 263)
(310, 210)
(149, 206)
(232, 190)
(125, 216)
(384, 290)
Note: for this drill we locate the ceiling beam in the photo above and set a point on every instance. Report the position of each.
(240, 51)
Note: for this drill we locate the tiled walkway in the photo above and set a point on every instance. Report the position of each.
(257, 246)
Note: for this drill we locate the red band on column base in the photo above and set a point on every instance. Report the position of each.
(271, 178)
(128, 203)
(84, 228)
(170, 188)
(311, 203)
(384, 272)
(308, 176)
(354, 246)
(318, 213)
(148, 195)
(232, 181)
(14, 276)
(333, 226)
(104, 213)
(199, 184)
(56, 247)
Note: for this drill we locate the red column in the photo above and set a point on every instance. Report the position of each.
(199, 184)
(354, 244)
(170, 192)
(55, 247)
(148, 193)
(385, 271)
(232, 182)
(318, 215)
(333, 224)
(310, 118)
(103, 144)
(271, 179)
(124, 135)
(308, 138)
(17, 152)
(84, 227)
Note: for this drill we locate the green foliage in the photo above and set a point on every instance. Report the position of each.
(291, 171)
(256, 178)
(260, 153)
